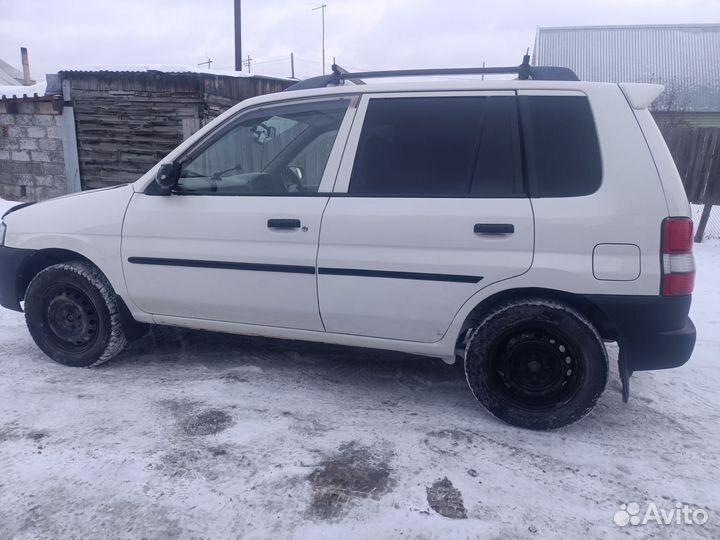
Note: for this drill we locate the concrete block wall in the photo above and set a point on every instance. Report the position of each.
(32, 166)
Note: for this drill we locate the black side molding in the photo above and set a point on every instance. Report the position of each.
(224, 265)
(296, 269)
(454, 278)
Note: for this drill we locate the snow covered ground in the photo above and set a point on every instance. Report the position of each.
(190, 435)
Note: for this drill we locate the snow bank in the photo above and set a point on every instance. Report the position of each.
(705, 310)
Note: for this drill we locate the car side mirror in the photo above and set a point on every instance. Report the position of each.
(167, 176)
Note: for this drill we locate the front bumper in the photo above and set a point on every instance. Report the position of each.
(11, 263)
(653, 332)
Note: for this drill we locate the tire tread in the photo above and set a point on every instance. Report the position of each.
(117, 340)
(477, 335)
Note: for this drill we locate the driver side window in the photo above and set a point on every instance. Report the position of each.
(281, 150)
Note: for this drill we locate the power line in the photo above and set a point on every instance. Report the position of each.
(254, 62)
(308, 60)
(273, 61)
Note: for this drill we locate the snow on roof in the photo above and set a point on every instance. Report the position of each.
(35, 90)
(162, 68)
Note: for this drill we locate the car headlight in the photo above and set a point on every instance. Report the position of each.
(3, 228)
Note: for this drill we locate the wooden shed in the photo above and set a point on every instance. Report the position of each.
(127, 118)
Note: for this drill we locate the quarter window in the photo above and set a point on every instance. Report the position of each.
(438, 146)
(563, 153)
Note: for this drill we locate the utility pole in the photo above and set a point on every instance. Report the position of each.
(248, 62)
(208, 63)
(322, 7)
(238, 38)
(292, 65)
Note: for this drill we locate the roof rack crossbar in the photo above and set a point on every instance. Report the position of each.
(524, 71)
(430, 72)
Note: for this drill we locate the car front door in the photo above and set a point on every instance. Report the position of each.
(428, 209)
(237, 239)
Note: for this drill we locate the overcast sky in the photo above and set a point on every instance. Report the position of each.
(362, 34)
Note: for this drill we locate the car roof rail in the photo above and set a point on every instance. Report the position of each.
(524, 72)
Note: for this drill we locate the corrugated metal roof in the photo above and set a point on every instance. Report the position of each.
(685, 58)
(169, 69)
(9, 75)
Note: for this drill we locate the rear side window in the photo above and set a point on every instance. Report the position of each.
(444, 146)
(562, 149)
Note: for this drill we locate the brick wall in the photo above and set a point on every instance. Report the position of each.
(32, 166)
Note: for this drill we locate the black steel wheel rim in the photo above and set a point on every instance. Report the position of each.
(536, 368)
(71, 318)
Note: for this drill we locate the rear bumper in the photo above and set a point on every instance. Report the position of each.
(653, 332)
(661, 350)
(11, 260)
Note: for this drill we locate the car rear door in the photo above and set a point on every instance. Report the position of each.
(428, 208)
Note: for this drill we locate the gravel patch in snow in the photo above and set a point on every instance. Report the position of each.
(446, 500)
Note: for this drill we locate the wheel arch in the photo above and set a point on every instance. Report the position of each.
(581, 303)
(39, 261)
(46, 257)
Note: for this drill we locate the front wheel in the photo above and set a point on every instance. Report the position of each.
(536, 364)
(73, 315)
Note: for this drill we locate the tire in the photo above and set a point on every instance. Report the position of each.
(73, 315)
(536, 364)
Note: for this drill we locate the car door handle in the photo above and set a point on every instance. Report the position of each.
(284, 224)
(494, 228)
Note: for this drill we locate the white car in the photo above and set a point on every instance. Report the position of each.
(518, 224)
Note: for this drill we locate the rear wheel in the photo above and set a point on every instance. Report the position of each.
(536, 364)
(73, 315)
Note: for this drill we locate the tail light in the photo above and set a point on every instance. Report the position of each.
(678, 264)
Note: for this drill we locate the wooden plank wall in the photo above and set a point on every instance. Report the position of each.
(221, 93)
(127, 122)
(696, 151)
